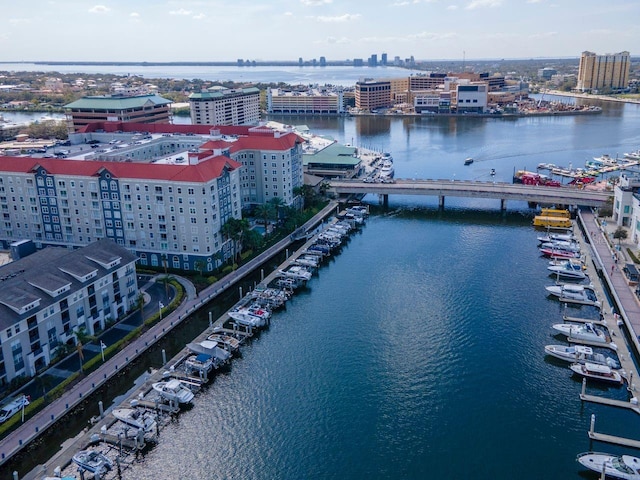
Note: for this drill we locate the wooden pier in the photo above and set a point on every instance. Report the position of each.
(604, 437)
(609, 345)
(600, 323)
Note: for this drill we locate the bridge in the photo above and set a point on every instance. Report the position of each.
(474, 189)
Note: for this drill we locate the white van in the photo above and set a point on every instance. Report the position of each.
(11, 408)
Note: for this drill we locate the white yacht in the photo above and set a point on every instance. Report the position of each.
(296, 272)
(93, 461)
(570, 268)
(246, 318)
(616, 466)
(580, 354)
(137, 418)
(586, 332)
(174, 391)
(571, 293)
(597, 372)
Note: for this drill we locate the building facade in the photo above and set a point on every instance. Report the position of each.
(135, 109)
(372, 94)
(225, 106)
(597, 72)
(47, 296)
(312, 101)
(164, 198)
(471, 98)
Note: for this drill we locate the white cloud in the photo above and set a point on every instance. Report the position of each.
(288, 14)
(483, 3)
(433, 36)
(452, 7)
(543, 35)
(134, 14)
(200, 16)
(99, 9)
(315, 3)
(347, 17)
(404, 3)
(334, 41)
(19, 21)
(182, 11)
(534, 1)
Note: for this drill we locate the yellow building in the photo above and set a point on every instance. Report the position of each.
(597, 72)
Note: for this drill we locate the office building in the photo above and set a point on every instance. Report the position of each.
(608, 72)
(135, 109)
(225, 106)
(48, 295)
(372, 94)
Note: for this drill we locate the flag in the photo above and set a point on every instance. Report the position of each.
(102, 345)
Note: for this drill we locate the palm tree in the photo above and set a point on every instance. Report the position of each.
(234, 230)
(277, 202)
(265, 212)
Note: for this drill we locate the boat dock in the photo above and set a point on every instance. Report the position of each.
(606, 438)
(600, 323)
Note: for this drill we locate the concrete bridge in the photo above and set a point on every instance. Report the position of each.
(473, 189)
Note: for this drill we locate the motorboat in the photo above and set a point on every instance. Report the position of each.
(597, 372)
(200, 362)
(562, 245)
(580, 354)
(468, 161)
(211, 349)
(617, 466)
(492, 172)
(245, 317)
(387, 170)
(307, 261)
(173, 391)
(586, 332)
(93, 461)
(559, 253)
(296, 272)
(226, 342)
(137, 418)
(557, 237)
(571, 293)
(570, 268)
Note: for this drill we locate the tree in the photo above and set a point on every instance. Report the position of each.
(277, 203)
(234, 229)
(620, 234)
(265, 212)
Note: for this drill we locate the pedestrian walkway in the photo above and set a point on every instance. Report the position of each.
(609, 263)
(52, 412)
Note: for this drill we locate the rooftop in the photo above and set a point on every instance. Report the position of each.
(117, 102)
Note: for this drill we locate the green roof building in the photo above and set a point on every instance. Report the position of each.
(136, 109)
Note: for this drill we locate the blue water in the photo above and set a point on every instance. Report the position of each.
(417, 353)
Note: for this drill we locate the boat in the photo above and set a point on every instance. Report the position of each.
(200, 362)
(296, 272)
(561, 245)
(557, 237)
(633, 155)
(137, 418)
(570, 293)
(93, 461)
(226, 342)
(586, 332)
(580, 354)
(617, 466)
(173, 391)
(551, 222)
(571, 268)
(210, 348)
(606, 160)
(492, 172)
(307, 261)
(597, 372)
(559, 253)
(245, 317)
(386, 170)
(468, 161)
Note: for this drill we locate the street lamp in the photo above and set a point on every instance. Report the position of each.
(160, 307)
(102, 347)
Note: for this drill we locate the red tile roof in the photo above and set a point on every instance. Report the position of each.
(204, 171)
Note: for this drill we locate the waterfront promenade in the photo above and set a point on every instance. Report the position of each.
(55, 410)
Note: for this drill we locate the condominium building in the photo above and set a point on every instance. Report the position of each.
(597, 72)
(164, 197)
(311, 101)
(46, 296)
(225, 106)
(135, 109)
(372, 94)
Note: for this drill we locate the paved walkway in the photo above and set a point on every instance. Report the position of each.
(628, 304)
(46, 417)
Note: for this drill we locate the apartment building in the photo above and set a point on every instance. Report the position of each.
(46, 296)
(135, 109)
(597, 72)
(225, 106)
(311, 101)
(165, 197)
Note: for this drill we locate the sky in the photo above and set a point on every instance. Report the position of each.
(225, 30)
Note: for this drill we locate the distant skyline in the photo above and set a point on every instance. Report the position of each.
(225, 30)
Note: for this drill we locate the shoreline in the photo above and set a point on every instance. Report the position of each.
(588, 96)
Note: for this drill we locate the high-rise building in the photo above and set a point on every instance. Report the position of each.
(372, 94)
(383, 59)
(310, 101)
(597, 72)
(225, 106)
